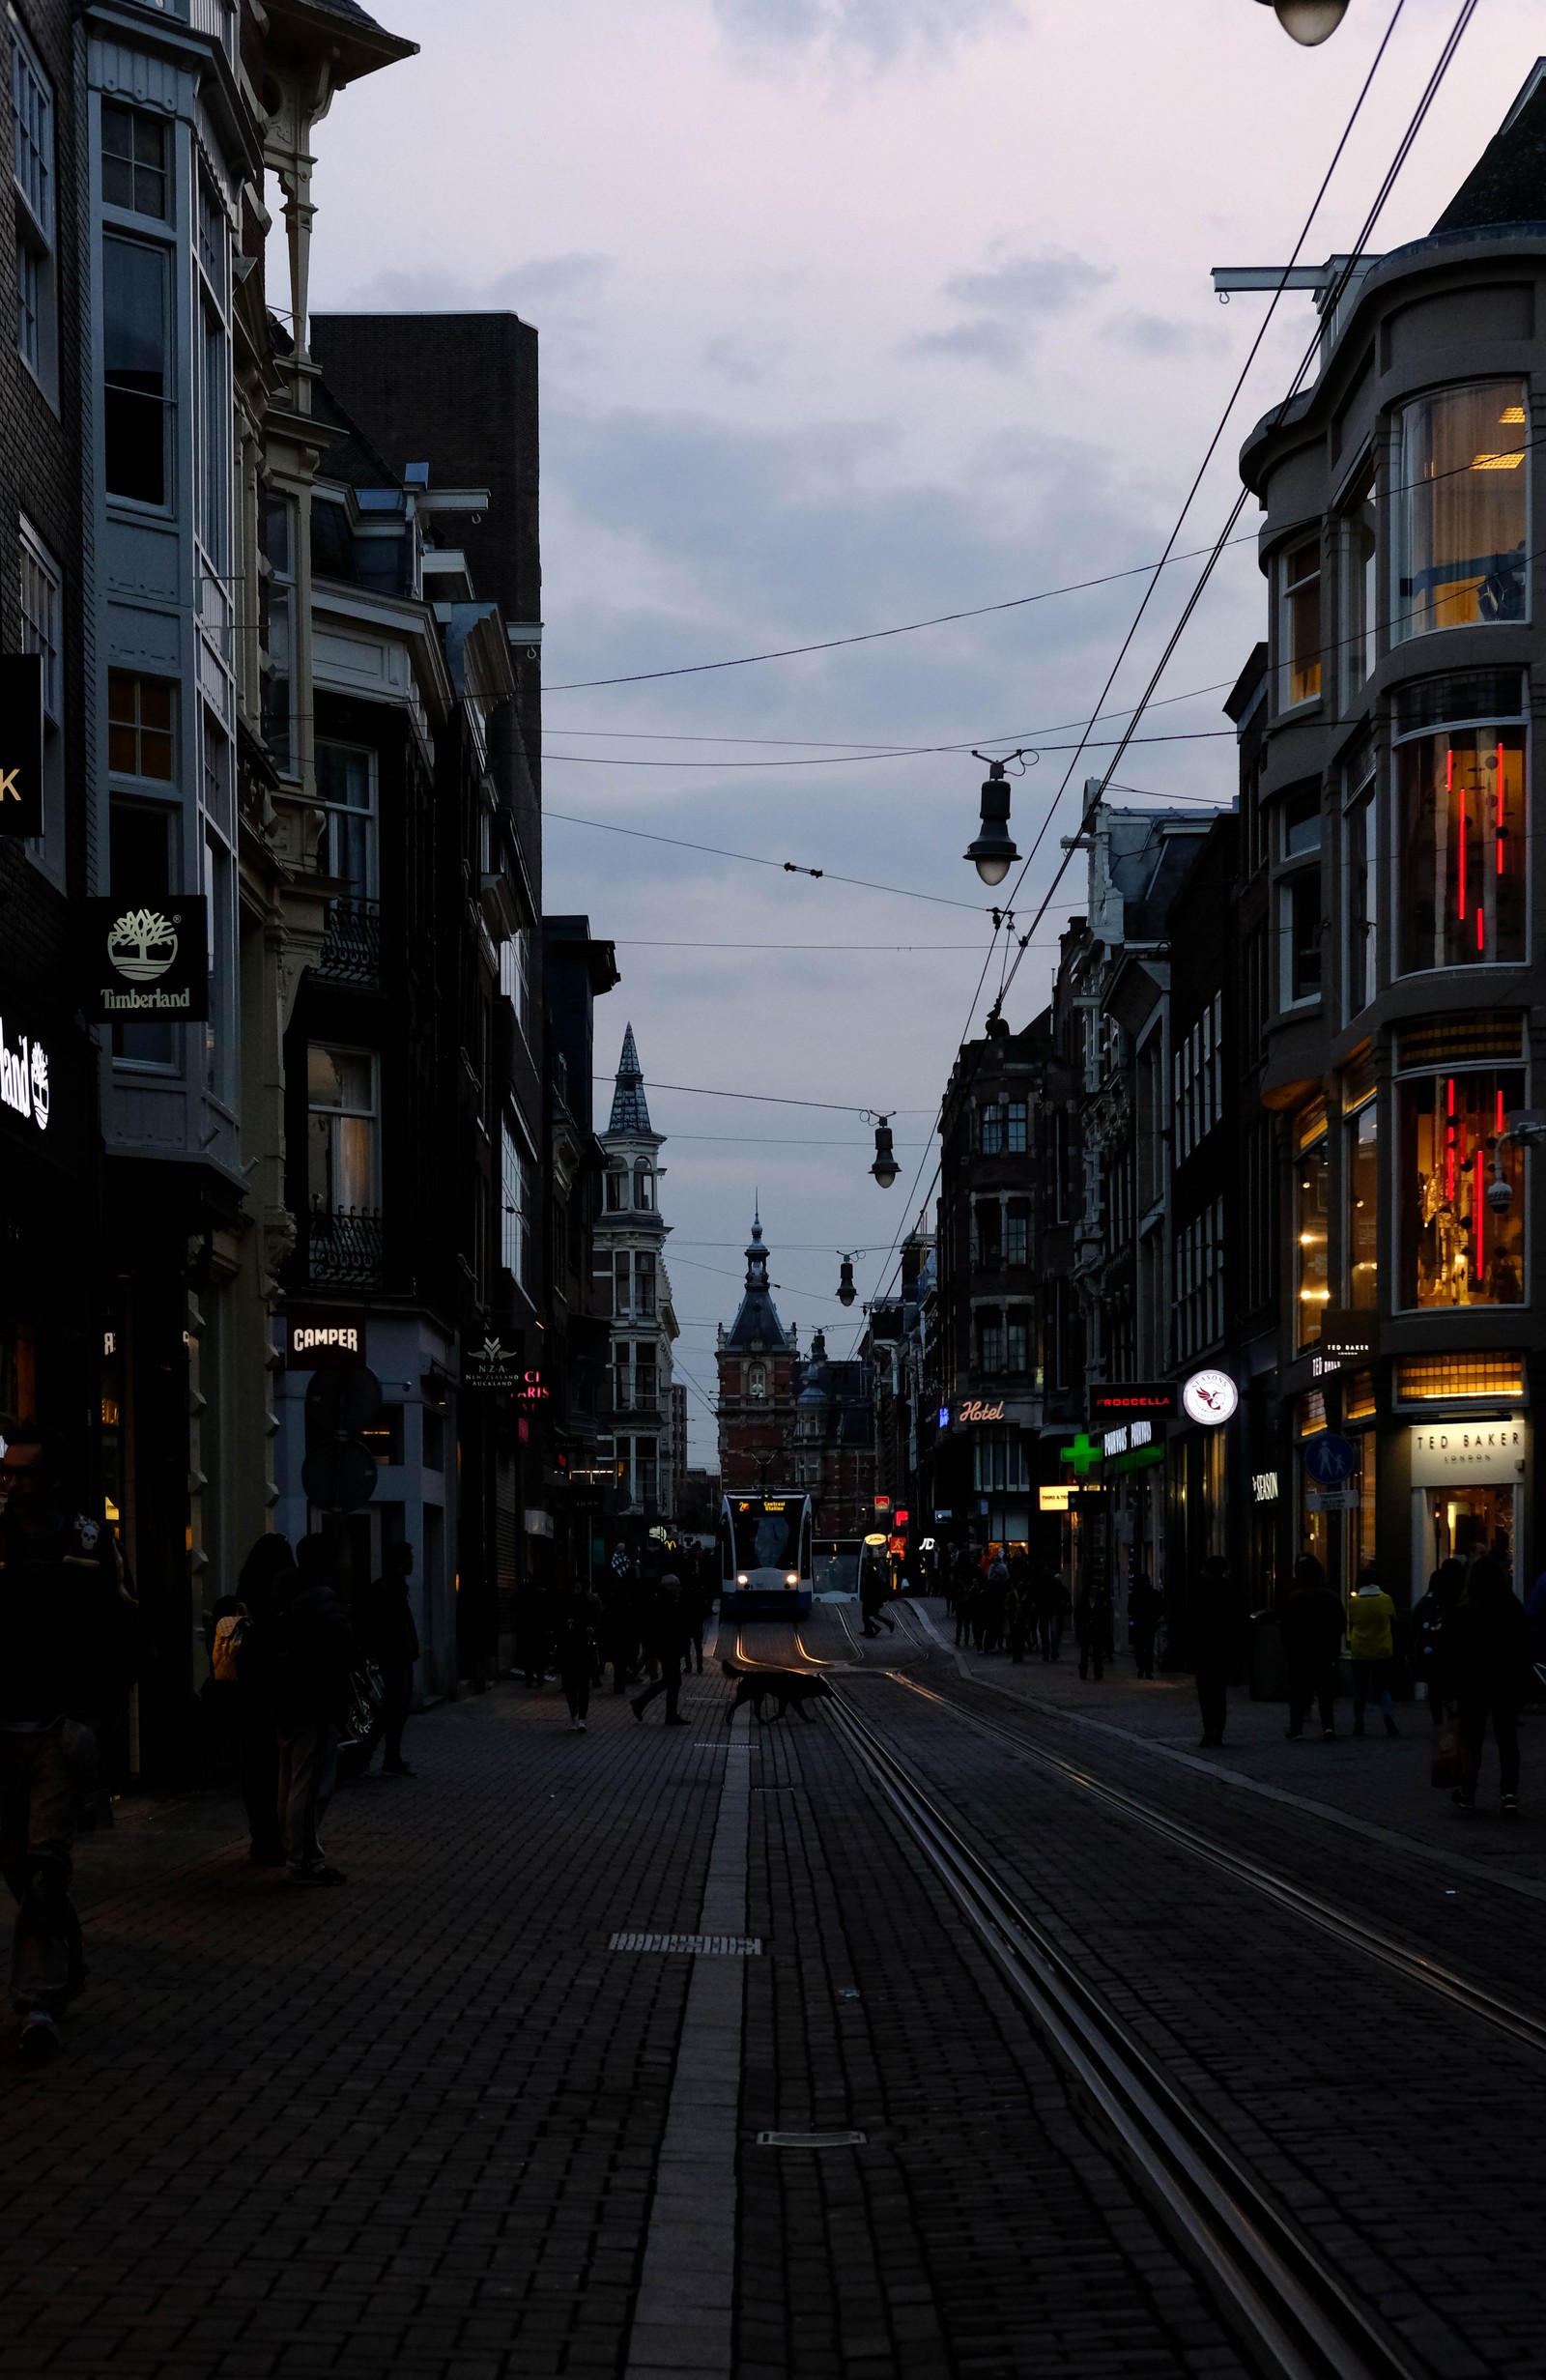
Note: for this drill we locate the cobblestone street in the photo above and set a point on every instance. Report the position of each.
(435, 2125)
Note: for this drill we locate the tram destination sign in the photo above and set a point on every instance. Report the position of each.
(21, 744)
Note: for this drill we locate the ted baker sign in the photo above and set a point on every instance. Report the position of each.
(1484, 1450)
(24, 1078)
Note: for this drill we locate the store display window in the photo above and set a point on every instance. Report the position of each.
(1455, 1248)
(1312, 1171)
(1461, 796)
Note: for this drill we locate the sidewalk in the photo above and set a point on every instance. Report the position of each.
(1373, 1779)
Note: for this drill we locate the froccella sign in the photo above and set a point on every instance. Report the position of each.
(147, 959)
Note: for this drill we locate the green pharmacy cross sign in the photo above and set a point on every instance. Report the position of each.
(1084, 1453)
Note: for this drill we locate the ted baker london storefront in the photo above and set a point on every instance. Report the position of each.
(1467, 1480)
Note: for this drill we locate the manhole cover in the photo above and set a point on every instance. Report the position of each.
(695, 1945)
(810, 2139)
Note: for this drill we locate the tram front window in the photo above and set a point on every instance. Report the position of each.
(764, 1538)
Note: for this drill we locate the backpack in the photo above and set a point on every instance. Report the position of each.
(225, 1653)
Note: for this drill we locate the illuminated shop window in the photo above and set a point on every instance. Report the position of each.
(1436, 1378)
(1461, 509)
(1311, 1287)
(1462, 838)
(1299, 623)
(1360, 1229)
(1456, 1250)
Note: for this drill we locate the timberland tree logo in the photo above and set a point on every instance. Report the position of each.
(24, 1078)
(142, 946)
(145, 953)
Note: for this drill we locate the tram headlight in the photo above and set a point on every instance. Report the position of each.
(791, 1578)
(741, 1579)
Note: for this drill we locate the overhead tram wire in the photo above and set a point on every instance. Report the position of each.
(1387, 183)
(852, 760)
(754, 859)
(1213, 555)
(769, 1099)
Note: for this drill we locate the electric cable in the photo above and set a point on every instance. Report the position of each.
(752, 859)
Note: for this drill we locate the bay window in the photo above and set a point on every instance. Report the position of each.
(1359, 544)
(1461, 509)
(1461, 800)
(1361, 1226)
(1455, 1251)
(137, 371)
(1311, 1285)
(1299, 623)
(1300, 899)
(1361, 874)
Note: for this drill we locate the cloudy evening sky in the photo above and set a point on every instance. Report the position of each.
(855, 311)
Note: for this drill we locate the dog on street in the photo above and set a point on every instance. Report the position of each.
(789, 1689)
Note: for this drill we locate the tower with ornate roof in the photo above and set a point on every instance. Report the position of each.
(630, 1262)
(757, 1360)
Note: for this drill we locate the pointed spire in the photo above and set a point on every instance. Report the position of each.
(630, 1111)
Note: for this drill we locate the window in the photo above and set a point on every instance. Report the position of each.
(1461, 797)
(143, 866)
(1016, 1128)
(139, 727)
(989, 1216)
(1311, 1280)
(1461, 509)
(137, 371)
(999, 1466)
(133, 160)
(1299, 623)
(1018, 1339)
(1357, 534)
(346, 787)
(220, 1027)
(1198, 1072)
(1256, 975)
(645, 1285)
(646, 1382)
(1199, 1293)
(1455, 1251)
(1363, 876)
(43, 633)
(1302, 820)
(991, 1132)
(279, 552)
(515, 1204)
(32, 150)
(616, 1183)
(344, 1130)
(1300, 899)
(214, 236)
(990, 1339)
(1360, 1230)
(212, 398)
(644, 1188)
(756, 1381)
(515, 981)
(1018, 1232)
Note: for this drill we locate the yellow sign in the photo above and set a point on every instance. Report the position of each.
(1055, 1498)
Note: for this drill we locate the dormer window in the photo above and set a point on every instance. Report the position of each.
(756, 1381)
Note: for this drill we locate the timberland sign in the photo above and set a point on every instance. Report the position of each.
(146, 959)
(21, 744)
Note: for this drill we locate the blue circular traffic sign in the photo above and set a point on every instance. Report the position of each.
(1330, 1459)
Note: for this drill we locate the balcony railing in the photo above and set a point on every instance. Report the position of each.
(344, 1247)
(351, 951)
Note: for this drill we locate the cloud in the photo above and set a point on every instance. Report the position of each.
(1048, 283)
(876, 33)
(552, 285)
(1161, 334)
(982, 341)
(744, 356)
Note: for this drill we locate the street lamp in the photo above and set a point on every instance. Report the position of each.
(846, 1292)
(885, 1169)
(1309, 23)
(1530, 1131)
(993, 853)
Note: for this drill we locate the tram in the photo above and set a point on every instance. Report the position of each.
(764, 1556)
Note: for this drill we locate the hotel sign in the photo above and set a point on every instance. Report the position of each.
(21, 744)
(1444, 1452)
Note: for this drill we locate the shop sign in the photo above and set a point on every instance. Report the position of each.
(24, 1078)
(325, 1338)
(1209, 1398)
(21, 744)
(1120, 1400)
(944, 1417)
(146, 957)
(977, 1409)
(1127, 1436)
(1055, 1498)
(1347, 1337)
(1263, 1486)
(1445, 1451)
(882, 1504)
(534, 1389)
(493, 1365)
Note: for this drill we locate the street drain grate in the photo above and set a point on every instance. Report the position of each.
(695, 1945)
(812, 2139)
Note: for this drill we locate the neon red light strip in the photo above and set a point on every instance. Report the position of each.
(1499, 818)
(1449, 786)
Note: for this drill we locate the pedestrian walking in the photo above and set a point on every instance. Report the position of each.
(580, 1618)
(1430, 1617)
(665, 1635)
(1145, 1604)
(241, 1636)
(1051, 1604)
(873, 1591)
(1371, 1641)
(1487, 1649)
(1213, 1624)
(1310, 1629)
(383, 1623)
(1020, 1620)
(1092, 1627)
(317, 1654)
(68, 1635)
(698, 1602)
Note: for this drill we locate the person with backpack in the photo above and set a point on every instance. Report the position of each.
(317, 1654)
(665, 1635)
(580, 1618)
(1371, 1642)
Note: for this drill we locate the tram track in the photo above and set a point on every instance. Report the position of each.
(1285, 2301)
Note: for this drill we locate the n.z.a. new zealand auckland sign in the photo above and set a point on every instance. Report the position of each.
(147, 959)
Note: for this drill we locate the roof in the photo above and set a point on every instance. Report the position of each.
(1507, 184)
(359, 44)
(630, 1109)
(757, 1323)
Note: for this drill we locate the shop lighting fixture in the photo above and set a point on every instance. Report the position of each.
(1309, 23)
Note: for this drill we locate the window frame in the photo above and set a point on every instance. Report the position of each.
(164, 252)
(34, 130)
(1403, 626)
(1290, 888)
(43, 632)
(1515, 1172)
(1291, 592)
(1407, 740)
(371, 1114)
(371, 814)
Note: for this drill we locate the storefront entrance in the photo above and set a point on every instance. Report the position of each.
(1466, 1493)
(1463, 1521)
